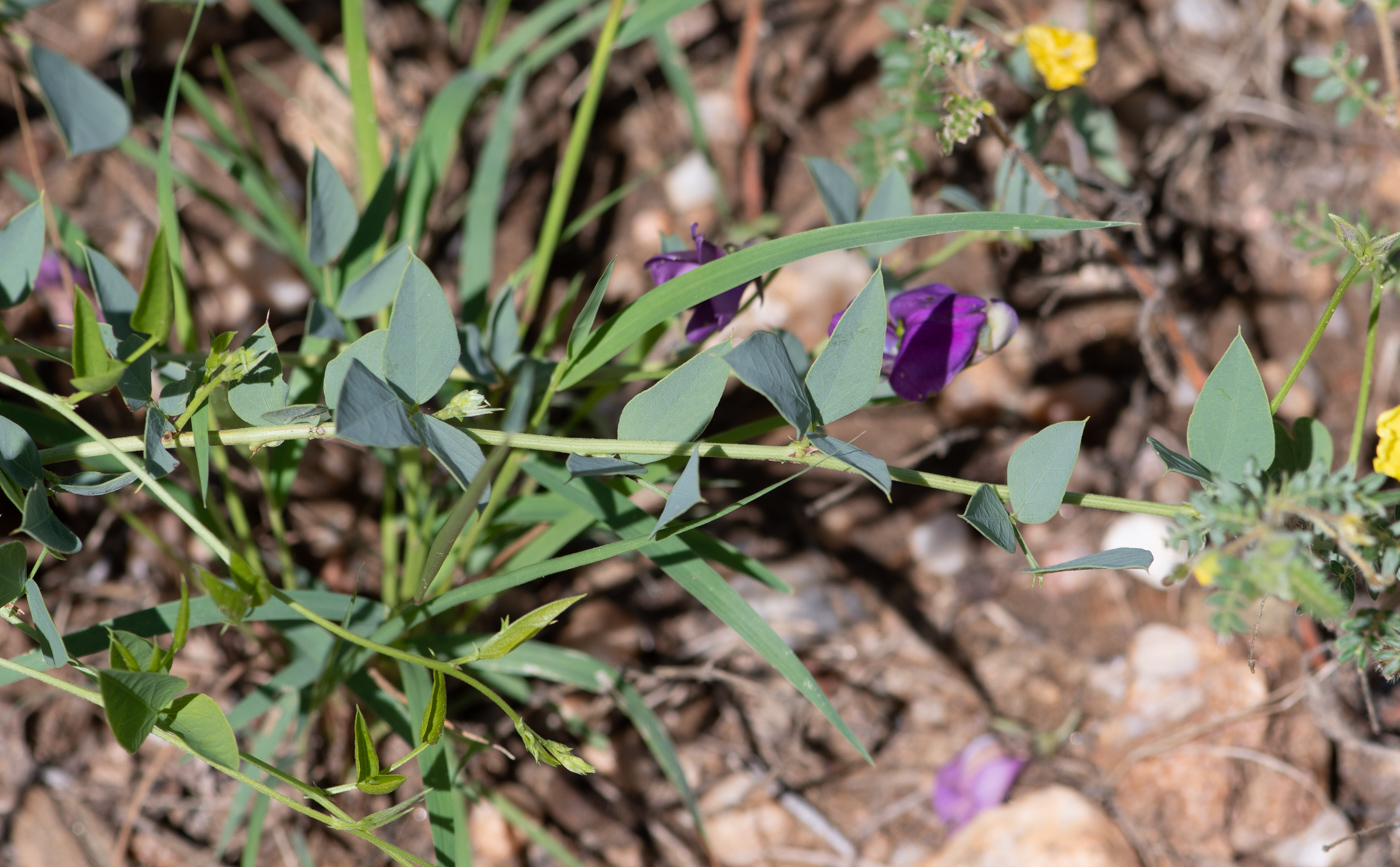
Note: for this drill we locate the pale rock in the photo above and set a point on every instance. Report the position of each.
(817, 606)
(40, 836)
(690, 185)
(1053, 827)
(1206, 19)
(1301, 399)
(745, 834)
(1304, 849)
(1148, 532)
(1160, 652)
(942, 545)
(716, 108)
(494, 840)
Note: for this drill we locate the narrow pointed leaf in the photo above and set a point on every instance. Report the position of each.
(762, 362)
(1039, 470)
(21, 250)
(376, 288)
(91, 116)
(874, 469)
(90, 357)
(421, 348)
(43, 525)
(1179, 463)
(1114, 558)
(200, 723)
(844, 376)
(199, 426)
(298, 413)
(435, 714)
(840, 195)
(12, 571)
(988, 516)
(115, 294)
(503, 331)
(232, 604)
(155, 308)
(458, 453)
(677, 408)
(55, 652)
(684, 494)
(134, 699)
(1231, 422)
(322, 322)
(182, 619)
(129, 652)
(484, 200)
(583, 325)
(330, 212)
(512, 635)
(159, 460)
(381, 784)
(366, 759)
(583, 466)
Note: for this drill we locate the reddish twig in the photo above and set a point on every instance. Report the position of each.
(750, 168)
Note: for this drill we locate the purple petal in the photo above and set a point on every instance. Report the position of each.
(910, 302)
(50, 275)
(669, 266)
(978, 778)
(712, 314)
(939, 340)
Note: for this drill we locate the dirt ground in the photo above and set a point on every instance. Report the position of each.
(1148, 740)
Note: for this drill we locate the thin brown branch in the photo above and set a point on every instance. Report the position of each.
(750, 168)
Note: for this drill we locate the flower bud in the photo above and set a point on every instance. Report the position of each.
(997, 331)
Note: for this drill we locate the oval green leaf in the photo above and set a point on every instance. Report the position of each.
(677, 408)
(421, 348)
(987, 516)
(133, 700)
(21, 249)
(201, 724)
(330, 212)
(843, 377)
(1231, 422)
(1039, 471)
(91, 116)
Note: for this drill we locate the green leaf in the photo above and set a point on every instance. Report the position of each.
(677, 408)
(12, 571)
(1312, 443)
(182, 620)
(684, 494)
(133, 700)
(844, 376)
(201, 724)
(51, 645)
(93, 484)
(155, 308)
(458, 453)
(1349, 108)
(231, 603)
(253, 585)
(40, 523)
(90, 115)
(368, 350)
(298, 413)
(199, 426)
(1179, 463)
(1114, 558)
(840, 195)
(21, 250)
(289, 28)
(330, 211)
(1312, 67)
(366, 759)
(262, 389)
(1231, 422)
(512, 635)
(582, 466)
(696, 577)
(675, 296)
(892, 199)
(1039, 470)
(421, 348)
(583, 325)
(370, 413)
(988, 516)
(1329, 89)
(322, 322)
(762, 362)
(159, 460)
(874, 469)
(435, 714)
(19, 458)
(503, 331)
(648, 17)
(376, 288)
(129, 652)
(477, 256)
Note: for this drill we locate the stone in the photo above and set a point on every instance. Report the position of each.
(1304, 849)
(691, 184)
(1053, 827)
(744, 834)
(1148, 532)
(942, 545)
(40, 836)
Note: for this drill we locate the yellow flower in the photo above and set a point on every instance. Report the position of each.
(1207, 568)
(1060, 56)
(1388, 449)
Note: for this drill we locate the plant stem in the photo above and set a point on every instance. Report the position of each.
(1380, 10)
(1316, 336)
(568, 168)
(165, 198)
(352, 16)
(490, 26)
(583, 446)
(1363, 398)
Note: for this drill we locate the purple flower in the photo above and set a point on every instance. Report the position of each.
(977, 779)
(711, 314)
(934, 332)
(50, 274)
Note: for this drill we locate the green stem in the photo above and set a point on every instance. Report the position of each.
(1316, 336)
(165, 197)
(1363, 398)
(584, 446)
(495, 16)
(352, 16)
(568, 168)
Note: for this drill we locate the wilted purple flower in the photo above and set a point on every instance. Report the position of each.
(50, 274)
(977, 779)
(711, 314)
(934, 332)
